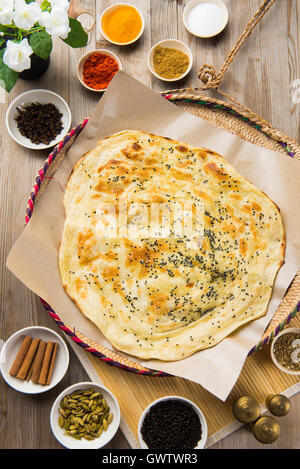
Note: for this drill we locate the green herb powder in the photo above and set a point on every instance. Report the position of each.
(169, 63)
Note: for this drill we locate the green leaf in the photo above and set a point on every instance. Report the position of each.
(41, 44)
(8, 77)
(5, 29)
(77, 37)
(45, 5)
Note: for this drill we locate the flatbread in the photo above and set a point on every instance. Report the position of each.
(157, 293)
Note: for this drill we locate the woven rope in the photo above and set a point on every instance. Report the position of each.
(207, 73)
(244, 123)
(212, 80)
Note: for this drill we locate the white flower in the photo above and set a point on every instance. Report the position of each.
(64, 4)
(6, 11)
(17, 55)
(26, 15)
(56, 22)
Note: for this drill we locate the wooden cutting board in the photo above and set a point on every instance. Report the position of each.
(259, 378)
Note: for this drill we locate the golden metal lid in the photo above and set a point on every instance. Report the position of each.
(266, 429)
(278, 405)
(246, 409)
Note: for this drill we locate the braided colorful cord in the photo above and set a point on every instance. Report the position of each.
(230, 111)
(38, 181)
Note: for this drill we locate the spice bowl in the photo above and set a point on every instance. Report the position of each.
(182, 400)
(71, 442)
(43, 97)
(9, 351)
(205, 18)
(83, 59)
(291, 351)
(170, 44)
(122, 20)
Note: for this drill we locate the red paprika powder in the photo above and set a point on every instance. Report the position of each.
(98, 70)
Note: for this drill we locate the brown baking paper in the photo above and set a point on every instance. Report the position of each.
(127, 104)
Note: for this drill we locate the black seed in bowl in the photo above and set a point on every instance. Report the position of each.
(171, 424)
(41, 123)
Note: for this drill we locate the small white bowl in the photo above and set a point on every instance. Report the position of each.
(115, 7)
(106, 436)
(201, 442)
(83, 59)
(172, 44)
(43, 97)
(9, 352)
(280, 367)
(192, 4)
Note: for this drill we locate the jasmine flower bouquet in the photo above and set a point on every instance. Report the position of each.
(28, 27)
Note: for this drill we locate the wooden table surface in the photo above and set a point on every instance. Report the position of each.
(262, 77)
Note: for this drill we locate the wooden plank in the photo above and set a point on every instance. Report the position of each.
(265, 67)
(133, 57)
(135, 392)
(163, 26)
(292, 116)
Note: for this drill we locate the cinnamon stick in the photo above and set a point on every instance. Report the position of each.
(38, 361)
(29, 373)
(46, 363)
(22, 373)
(52, 363)
(20, 355)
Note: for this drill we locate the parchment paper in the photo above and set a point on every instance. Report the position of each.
(127, 104)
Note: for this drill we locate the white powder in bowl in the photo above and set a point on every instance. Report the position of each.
(205, 19)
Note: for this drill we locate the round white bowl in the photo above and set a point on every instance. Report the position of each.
(201, 442)
(193, 3)
(83, 59)
(172, 44)
(280, 367)
(106, 436)
(43, 97)
(115, 6)
(9, 352)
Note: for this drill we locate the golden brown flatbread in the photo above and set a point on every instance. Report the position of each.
(158, 293)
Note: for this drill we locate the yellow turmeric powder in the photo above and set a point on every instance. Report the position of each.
(122, 24)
